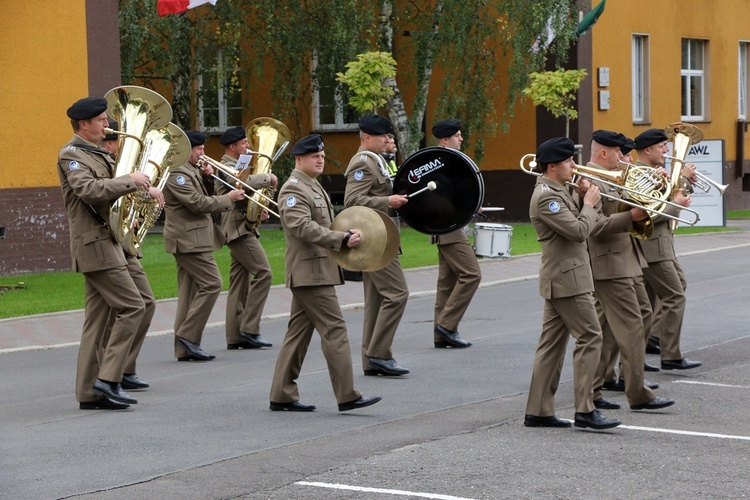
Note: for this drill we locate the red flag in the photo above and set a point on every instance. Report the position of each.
(171, 6)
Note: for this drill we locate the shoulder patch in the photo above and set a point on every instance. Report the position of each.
(180, 180)
(359, 175)
(73, 165)
(291, 201)
(554, 207)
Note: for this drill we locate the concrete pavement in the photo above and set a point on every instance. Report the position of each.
(61, 329)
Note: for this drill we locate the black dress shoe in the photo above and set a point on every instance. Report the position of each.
(603, 404)
(255, 339)
(653, 345)
(102, 404)
(553, 421)
(195, 352)
(132, 381)
(650, 385)
(359, 403)
(654, 404)
(594, 420)
(621, 383)
(378, 366)
(650, 368)
(679, 364)
(293, 406)
(113, 391)
(618, 385)
(449, 339)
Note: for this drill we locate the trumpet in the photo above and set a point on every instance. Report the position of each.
(702, 181)
(644, 186)
(235, 176)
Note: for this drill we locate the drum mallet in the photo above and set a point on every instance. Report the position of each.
(431, 186)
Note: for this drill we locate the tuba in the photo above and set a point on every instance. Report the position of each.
(268, 139)
(137, 110)
(683, 136)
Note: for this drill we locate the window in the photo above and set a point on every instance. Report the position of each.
(640, 84)
(694, 72)
(219, 95)
(742, 84)
(331, 109)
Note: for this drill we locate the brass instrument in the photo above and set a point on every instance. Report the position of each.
(703, 182)
(683, 136)
(380, 239)
(258, 197)
(643, 187)
(268, 139)
(137, 110)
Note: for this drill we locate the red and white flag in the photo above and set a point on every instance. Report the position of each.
(166, 7)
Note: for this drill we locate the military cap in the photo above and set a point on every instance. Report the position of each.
(375, 125)
(628, 146)
(113, 126)
(232, 135)
(308, 144)
(196, 138)
(609, 138)
(87, 108)
(649, 138)
(446, 128)
(555, 150)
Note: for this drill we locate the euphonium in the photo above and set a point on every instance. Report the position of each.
(683, 136)
(268, 139)
(137, 110)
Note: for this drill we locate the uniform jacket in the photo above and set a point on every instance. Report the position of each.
(306, 215)
(86, 178)
(233, 222)
(614, 253)
(562, 229)
(660, 246)
(188, 226)
(367, 182)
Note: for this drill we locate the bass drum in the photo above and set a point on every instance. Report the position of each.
(455, 200)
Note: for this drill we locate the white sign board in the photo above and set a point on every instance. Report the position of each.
(708, 156)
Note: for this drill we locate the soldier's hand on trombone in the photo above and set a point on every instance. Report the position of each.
(264, 215)
(638, 214)
(207, 169)
(592, 195)
(236, 195)
(682, 199)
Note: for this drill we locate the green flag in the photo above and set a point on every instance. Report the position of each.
(590, 19)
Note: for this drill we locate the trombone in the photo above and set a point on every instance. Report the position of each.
(702, 182)
(633, 180)
(235, 176)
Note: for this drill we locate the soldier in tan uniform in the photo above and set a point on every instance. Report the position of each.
(250, 272)
(458, 270)
(664, 274)
(88, 189)
(566, 283)
(616, 262)
(306, 216)
(368, 184)
(191, 236)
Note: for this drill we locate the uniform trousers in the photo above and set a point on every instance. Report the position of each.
(458, 279)
(314, 308)
(568, 316)
(667, 281)
(249, 283)
(619, 299)
(103, 355)
(198, 288)
(385, 294)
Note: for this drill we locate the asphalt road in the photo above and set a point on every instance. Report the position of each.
(451, 429)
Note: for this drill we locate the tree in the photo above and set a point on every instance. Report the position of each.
(556, 91)
(365, 77)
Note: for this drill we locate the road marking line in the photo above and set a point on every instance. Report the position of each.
(685, 433)
(380, 490)
(714, 384)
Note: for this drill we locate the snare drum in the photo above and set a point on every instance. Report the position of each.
(492, 240)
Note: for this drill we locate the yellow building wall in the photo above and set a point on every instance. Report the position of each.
(43, 73)
(722, 23)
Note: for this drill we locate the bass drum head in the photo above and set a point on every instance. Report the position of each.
(458, 196)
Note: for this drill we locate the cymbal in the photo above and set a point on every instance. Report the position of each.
(376, 248)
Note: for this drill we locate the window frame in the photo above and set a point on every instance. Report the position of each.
(743, 82)
(223, 106)
(688, 75)
(641, 82)
(339, 107)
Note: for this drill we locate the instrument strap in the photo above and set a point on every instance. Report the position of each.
(381, 163)
(89, 208)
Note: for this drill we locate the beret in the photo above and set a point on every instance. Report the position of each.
(196, 138)
(649, 138)
(232, 135)
(628, 146)
(308, 144)
(375, 125)
(609, 138)
(555, 150)
(446, 128)
(113, 126)
(87, 107)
